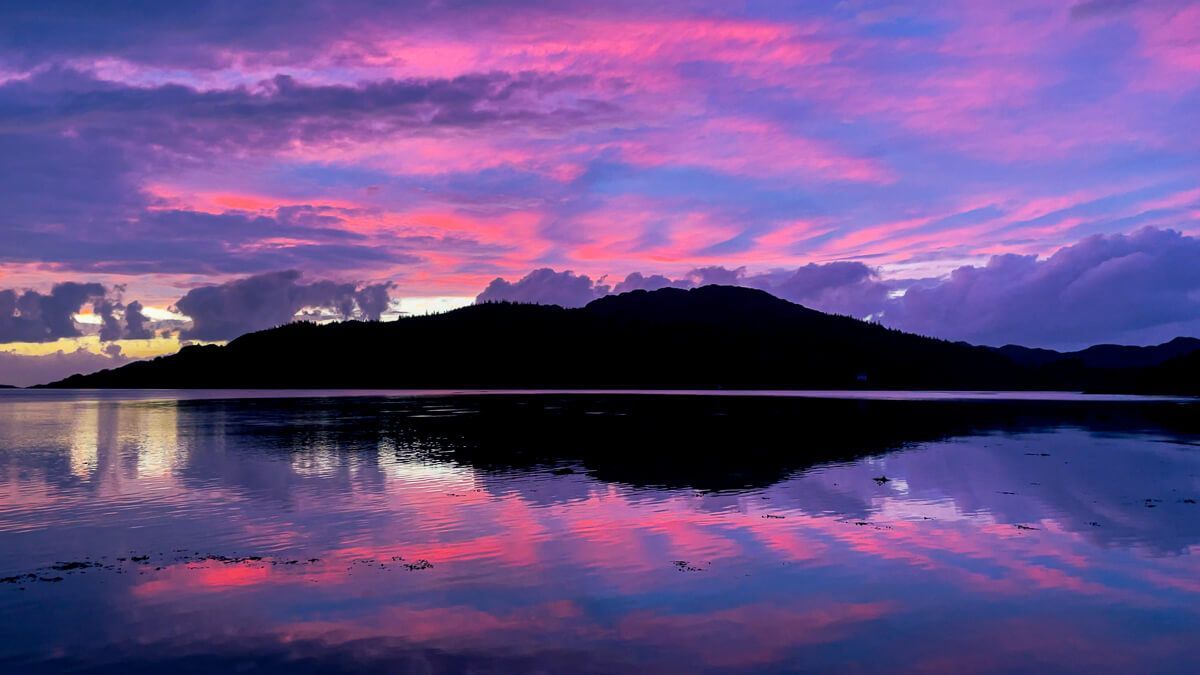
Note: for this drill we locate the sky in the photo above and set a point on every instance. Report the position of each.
(986, 171)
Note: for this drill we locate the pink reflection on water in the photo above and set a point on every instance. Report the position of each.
(447, 625)
(627, 545)
(751, 635)
(526, 560)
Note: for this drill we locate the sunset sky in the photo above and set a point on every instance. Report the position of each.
(988, 171)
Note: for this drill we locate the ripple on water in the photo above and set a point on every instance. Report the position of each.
(363, 527)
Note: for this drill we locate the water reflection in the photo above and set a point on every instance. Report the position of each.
(597, 532)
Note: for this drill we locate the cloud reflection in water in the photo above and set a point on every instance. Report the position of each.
(1017, 535)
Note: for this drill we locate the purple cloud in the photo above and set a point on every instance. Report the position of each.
(30, 316)
(174, 122)
(225, 311)
(79, 150)
(850, 288)
(110, 325)
(1141, 288)
(23, 370)
(1138, 288)
(372, 300)
(1091, 8)
(840, 287)
(634, 281)
(454, 139)
(135, 322)
(211, 34)
(704, 276)
(546, 287)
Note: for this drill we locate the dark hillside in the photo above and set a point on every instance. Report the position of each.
(710, 337)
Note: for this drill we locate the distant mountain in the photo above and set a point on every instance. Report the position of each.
(7, 386)
(1180, 375)
(1158, 368)
(1105, 356)
(709, 337)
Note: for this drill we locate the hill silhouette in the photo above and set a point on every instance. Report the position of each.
(1105, 356)
(708, 337)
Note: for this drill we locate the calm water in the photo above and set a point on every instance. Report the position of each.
(554, 533)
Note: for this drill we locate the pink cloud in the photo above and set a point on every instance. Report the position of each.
(1170, 38)
(741, 146)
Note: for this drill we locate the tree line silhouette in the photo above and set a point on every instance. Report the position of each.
(708, 337)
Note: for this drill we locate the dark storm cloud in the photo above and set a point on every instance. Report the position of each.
(225, 311)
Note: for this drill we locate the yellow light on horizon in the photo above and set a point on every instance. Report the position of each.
(134, 349)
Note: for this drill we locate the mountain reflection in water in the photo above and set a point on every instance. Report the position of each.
(596, 532)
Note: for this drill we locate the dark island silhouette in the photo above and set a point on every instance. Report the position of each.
(709, 443)
(702, 338)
